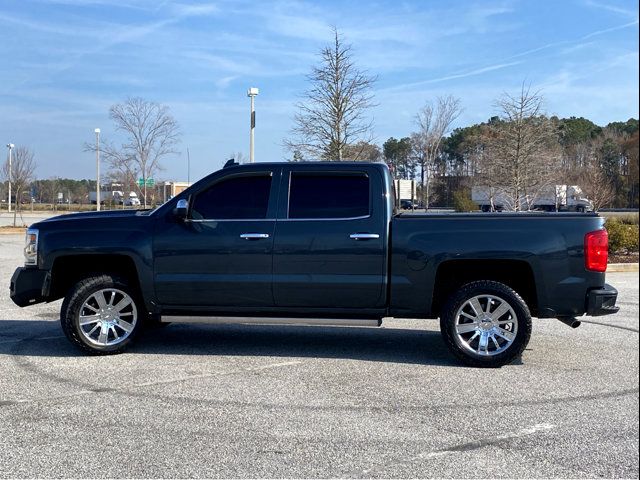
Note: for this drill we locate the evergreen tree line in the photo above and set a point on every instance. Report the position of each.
(602, 160)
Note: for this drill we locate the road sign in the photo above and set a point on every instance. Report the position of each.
(150, 182)
(406, 189)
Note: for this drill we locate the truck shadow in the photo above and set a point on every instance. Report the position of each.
(394, 345)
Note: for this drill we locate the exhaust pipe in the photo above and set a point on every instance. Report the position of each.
(570, 321)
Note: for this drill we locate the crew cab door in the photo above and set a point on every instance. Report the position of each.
(331, 237)
(221, 254)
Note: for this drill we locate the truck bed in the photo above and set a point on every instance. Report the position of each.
(445, 248)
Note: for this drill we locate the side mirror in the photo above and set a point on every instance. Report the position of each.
(181, 209)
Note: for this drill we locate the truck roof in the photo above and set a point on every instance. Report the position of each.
(309, 164)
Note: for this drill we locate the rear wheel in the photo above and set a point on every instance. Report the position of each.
(102, 314)
(486, 324)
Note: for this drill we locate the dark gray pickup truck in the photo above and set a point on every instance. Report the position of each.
(315, 243)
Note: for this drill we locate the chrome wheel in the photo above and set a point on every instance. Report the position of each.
(486, 325)
(107, 317)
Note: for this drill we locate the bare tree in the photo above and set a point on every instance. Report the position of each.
(151, 133)
(22, 167)
(362, 151)
(332, 115)
(434, 121)
(597, 186)
(522, 150)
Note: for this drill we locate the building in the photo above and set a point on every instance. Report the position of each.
(171, 189)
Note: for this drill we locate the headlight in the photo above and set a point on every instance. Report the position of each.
(31, 247)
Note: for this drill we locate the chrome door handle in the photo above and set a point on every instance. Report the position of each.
(364, 236)
(254, 236)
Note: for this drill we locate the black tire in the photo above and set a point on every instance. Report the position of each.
(460, 345)
(80, 293)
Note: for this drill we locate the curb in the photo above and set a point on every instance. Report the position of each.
(622, 267)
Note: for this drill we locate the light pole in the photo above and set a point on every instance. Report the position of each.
(97, 132)
(10, 146)
(252, 93)
(188, 167)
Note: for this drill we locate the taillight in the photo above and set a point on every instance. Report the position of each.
(596, 250)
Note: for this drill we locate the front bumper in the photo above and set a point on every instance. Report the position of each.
(602, 301)
(28, 286)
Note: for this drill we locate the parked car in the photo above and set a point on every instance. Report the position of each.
(408, 205)
(264, 243)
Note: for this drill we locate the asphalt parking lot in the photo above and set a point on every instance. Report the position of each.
(253, 401)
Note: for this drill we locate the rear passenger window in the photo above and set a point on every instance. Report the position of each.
(328, 196)
(234, 198)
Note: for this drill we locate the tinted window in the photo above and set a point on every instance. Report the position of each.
(328, 196)
(239, 197)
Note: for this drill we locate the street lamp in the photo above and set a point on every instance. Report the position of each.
(97, 132)
(10, 146)
(252, 93)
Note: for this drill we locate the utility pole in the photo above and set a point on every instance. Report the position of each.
(188, 167)
(97, 132)
(10, 146)
(252, 93)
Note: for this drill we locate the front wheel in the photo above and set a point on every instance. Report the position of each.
(101, 314)
(486, 324)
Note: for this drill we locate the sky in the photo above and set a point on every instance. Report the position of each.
(65, 62)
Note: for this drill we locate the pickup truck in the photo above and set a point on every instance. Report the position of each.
(315, 243)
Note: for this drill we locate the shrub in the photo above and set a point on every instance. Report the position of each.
(622, 236)
(462, 201)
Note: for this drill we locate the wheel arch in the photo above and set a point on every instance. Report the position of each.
(453, 274)
(67, 270)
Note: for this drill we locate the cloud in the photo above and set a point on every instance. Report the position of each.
(608, 30)
(479, 18)
(135, 5)
(611, 8)
(188, 10)
(576, 47)
(105, 36)
(300, 27)
(477, 71)
(227, 67)
(57, 29)
(580, 41)
(454, 76)
(225, 81)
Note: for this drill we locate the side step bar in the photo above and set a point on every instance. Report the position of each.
(325, 322)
